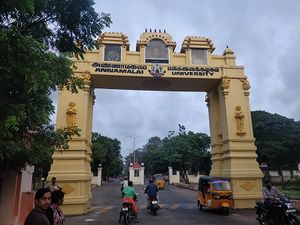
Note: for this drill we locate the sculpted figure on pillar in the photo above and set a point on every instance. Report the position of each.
(71, 115)
(239, 116)
(225, 85)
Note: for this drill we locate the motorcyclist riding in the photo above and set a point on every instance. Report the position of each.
(129, 195)
(151, 190)
(276, 209)
(271, 193)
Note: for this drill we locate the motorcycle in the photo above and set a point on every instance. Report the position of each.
(127, 214)
(280, 212)
(153, 205)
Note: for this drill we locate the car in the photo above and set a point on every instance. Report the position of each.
(159, 181)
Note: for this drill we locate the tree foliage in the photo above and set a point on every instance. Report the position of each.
(106, 151)
(277, 140)
(186, 152)
(33, 36)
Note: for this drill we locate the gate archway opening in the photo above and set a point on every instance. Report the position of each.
(156, 66)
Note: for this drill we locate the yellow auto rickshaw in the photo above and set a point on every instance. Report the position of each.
(215, 193)
(159, 181)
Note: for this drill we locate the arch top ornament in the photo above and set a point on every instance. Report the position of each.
(146, 37)
(116, 38)
(196, 42)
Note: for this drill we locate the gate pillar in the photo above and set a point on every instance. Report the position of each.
(72, 167)
(232, 141)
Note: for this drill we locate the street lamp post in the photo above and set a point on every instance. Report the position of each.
(134, 137)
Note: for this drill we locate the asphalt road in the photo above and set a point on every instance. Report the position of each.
(178, 207)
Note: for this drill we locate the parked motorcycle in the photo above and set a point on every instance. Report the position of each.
(153, 205)
(280, 212)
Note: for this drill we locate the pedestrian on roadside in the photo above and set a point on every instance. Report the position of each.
(38, 215)
(56, 202)
(53, 185)
(124, 184)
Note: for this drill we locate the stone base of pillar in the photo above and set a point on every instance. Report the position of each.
(77, 194)
(246, 191)
(246, 185)
(72, 171)
(244, 203)
(79, 207)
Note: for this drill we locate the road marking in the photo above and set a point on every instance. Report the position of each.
(175, 206)
(89, 220)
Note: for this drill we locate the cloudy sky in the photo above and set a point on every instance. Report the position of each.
(264, 34)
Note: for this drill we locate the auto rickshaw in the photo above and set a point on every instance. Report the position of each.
(159, 181)
(215, 193)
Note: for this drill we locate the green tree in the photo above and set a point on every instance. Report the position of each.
(152, 152)
(277, 140)
(106, 151)
(33, 36)
(186, 152)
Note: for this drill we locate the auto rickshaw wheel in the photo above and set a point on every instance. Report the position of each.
(199, 205)
(225, 211)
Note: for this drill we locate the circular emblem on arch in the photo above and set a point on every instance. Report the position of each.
(157, 70)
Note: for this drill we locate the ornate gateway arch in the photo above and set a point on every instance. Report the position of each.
(155, 66)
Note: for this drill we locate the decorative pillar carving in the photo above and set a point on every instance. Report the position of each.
(225, 85)
(71, 115)
(246, 85)
(239, 116)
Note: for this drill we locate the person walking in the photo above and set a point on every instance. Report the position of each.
(56, 202)
(38, 215)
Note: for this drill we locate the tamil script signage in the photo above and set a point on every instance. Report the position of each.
(132, 69)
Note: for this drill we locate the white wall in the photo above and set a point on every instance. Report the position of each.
(137, 180)
(286, 175)
(193, 178)
(97, 180)
(173, 178)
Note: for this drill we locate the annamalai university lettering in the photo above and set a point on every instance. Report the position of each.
(143, 69)
(119, 68)
(193, 71)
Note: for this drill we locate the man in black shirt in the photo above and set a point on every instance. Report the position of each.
(151, 190)
(39, 215)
